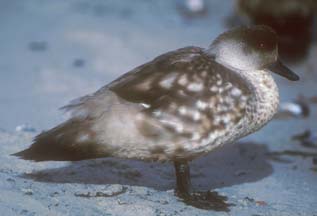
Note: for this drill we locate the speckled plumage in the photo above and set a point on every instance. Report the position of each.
(181, 105)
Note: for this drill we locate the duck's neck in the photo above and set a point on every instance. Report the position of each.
(264, 101)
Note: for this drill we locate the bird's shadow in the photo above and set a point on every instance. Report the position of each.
(230, 165)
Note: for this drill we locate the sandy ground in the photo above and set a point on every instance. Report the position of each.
(54, 51)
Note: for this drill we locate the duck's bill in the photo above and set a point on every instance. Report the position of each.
(279, 68)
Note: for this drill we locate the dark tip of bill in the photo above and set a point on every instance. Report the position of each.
(279, 68)
(294, 77)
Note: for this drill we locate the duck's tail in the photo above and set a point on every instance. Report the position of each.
(69, 141)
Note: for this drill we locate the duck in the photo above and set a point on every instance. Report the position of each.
(180, 106)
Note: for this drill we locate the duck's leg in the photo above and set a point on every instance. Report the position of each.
(183, 183)
(203, 200)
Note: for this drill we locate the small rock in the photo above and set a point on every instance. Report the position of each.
(86, 194)
(296, 109)
(195, 6)
(142, 191)
(10, 180)
(54, 194)
(120, 202)
(38, 46)
(261, 203)
(79, 63)
(27, 191)
(24, 128)
(112, 190)
(55, 202)
(24, 211)
(306, 138)
(302, 136)
(240, 173)
(159, 213)
(163, 202)
(244, 202)
(249, 199)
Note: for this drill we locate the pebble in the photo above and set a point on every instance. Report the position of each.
(11, 180)
(24, 128)
(121, 202)
(27, 191)
(79, 63)
(142, 191)
(306, 139)
(240, 173)
(110, 191)
(195, 6)
(297, 109)
(261, 203)
(38, 46)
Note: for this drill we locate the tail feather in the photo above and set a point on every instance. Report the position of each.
(63, 143)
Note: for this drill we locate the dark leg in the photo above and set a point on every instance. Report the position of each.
(183, 184)
(203, 200)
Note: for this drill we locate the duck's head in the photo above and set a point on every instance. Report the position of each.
(250, 49)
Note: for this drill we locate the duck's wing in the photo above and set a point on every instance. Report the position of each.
(186, 92)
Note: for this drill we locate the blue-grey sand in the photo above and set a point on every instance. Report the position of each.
(254, 175)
